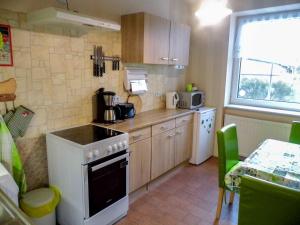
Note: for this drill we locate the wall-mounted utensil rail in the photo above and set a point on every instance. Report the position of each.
(99, 59)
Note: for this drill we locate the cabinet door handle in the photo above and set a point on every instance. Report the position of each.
(175, 59)
(163, 127)
(178, 132)
(137, 136)
(171, 135)
(164, 58)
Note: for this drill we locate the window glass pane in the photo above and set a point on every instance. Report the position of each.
(255, 67)
(282, 89)
(268, 52)
(253, 87)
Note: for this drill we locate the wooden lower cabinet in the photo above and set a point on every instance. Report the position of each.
(163, 153)
(152, 156)
(183, 143)
(139, 164)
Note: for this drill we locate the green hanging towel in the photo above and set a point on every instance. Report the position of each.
(10, 157)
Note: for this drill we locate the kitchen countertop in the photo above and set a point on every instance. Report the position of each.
(148, 118)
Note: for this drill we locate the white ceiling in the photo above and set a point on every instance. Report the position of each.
(109, 9)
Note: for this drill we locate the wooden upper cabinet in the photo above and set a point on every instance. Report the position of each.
(151, 39)
(179, 44)
(132, 30)
(156, 40)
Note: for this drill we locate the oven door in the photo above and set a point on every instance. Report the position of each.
(107, 182)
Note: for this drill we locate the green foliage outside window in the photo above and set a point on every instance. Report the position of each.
(281, 91)
(253, 88)
(258, 89)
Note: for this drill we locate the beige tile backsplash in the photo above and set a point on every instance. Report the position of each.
(54, 79)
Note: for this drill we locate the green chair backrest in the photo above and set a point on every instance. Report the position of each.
(295, 133)
(228, 152)
(265, 203)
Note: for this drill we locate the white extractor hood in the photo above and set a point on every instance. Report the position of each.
(55, 16)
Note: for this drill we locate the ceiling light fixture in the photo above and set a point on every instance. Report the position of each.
(212, 12)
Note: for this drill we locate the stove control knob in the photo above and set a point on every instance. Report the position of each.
(115, 147)
(96, 153)
(125, 144)
(90, 155)
(120, 145)
(109, 150)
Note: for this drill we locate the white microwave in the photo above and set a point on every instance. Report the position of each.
(191, 100)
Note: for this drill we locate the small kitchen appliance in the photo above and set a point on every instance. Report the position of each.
(124, 111)
(109, 111)
(104, 107)
(89, 165)
(172, 99)
(191, 100)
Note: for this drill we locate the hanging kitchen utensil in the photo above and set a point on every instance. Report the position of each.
(19, 121)
(8, 113)
(99, 61)
(7, 90)
(99, 58)
(8, 86)
(103, 66)
(114, 63)
(95, 61)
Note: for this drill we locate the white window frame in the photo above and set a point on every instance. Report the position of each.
(232, 79)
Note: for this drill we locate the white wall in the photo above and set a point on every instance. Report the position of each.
(208, 57)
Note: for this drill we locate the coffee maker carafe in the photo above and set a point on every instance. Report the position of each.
(104, 107)
(109, 111)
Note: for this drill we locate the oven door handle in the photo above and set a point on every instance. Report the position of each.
(95, 168)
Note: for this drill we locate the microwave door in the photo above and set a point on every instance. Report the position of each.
(196, 100)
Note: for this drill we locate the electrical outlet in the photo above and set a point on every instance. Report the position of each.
(157, 94)
(118, 99)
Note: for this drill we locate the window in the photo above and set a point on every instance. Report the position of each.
(264, 58)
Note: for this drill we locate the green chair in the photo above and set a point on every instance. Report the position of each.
(266, 203)
(295, 133)
(228, 157)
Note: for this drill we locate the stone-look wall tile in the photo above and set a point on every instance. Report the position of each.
(21, 73)
(40, 53)
(57, 63)
(22, 59)
(33, 153)
(77, 45)
(41, 39)
(20, 38)
(40, 73)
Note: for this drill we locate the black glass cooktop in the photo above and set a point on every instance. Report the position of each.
(86, 134)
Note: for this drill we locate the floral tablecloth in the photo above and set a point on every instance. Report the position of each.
(274, 161)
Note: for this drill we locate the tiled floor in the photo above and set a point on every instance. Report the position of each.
(188, 198)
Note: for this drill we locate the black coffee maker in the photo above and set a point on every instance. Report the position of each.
(104, 106)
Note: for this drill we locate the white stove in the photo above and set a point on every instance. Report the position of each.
(89, 164)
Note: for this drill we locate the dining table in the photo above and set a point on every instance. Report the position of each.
(274, 161)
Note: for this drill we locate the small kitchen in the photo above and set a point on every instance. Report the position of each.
(138, 112)
(112, 113)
